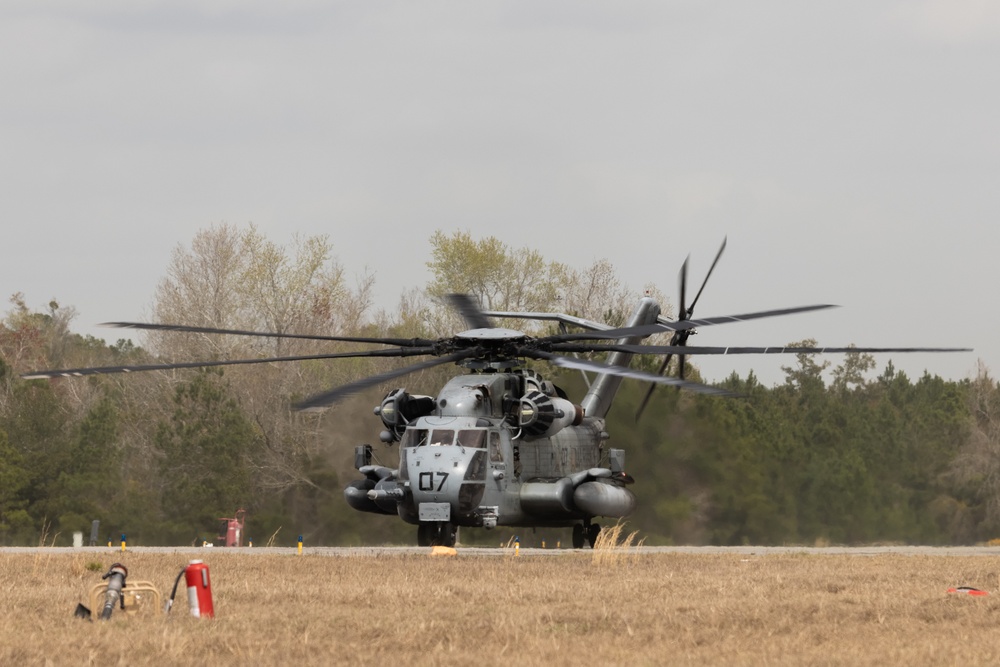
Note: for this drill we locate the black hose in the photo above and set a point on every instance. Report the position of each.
(173, 593)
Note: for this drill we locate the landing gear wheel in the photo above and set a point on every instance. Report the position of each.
(593, 530)
(425, 534)
(437, 534)
(447, 534)
(577, 535)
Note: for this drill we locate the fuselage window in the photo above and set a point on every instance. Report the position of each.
(496, 454)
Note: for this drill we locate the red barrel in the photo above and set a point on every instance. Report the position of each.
(199, 589)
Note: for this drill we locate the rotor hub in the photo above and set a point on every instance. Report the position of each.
(492, 335)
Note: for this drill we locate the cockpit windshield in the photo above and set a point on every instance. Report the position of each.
(467, 437)
(474, 438)
(415, 437)
(441, 436)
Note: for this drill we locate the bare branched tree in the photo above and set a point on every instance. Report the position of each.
(977, 465)
(238, 279)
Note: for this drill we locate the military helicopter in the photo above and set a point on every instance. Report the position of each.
(500, 445)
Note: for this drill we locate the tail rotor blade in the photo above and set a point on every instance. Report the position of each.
(708, 275)
(652, 387)
(686, 312)
(683, 314)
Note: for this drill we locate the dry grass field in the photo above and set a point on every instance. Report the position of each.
(582, 607)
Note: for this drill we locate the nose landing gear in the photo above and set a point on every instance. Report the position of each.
(437, 534)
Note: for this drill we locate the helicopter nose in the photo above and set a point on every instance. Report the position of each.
(450, 475)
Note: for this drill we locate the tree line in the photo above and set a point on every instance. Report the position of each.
(848, 454)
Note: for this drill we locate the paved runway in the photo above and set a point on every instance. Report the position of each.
(495, 552)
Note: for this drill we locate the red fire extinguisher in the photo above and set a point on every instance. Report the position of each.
(199, 588)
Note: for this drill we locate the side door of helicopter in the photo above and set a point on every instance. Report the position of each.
(496, 502)
(498, 464)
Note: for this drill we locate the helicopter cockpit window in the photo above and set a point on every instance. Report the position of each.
(441, 436)
(415, 437)
(475, 439)
(496, 455)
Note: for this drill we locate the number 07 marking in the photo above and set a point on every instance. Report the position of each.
(426, 481)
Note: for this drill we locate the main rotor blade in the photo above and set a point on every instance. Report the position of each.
(622, 371)
(685, 325)
(404, 342)
(722, 350)
(682, 325)
(561, 318)
(470, 311)
(328, 398)
(104, 370)
(596, 330)
(642, 330)
(688, 349)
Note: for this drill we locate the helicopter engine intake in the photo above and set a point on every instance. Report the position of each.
(541, 415)
(399, 408)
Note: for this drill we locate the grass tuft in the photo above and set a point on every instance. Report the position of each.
(616, 547)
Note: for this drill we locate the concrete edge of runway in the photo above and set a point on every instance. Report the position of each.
(373, 551)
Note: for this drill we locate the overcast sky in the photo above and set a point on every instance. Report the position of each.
(849, 150)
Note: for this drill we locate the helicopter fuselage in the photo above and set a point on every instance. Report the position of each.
(500, 446)
(496, 449)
